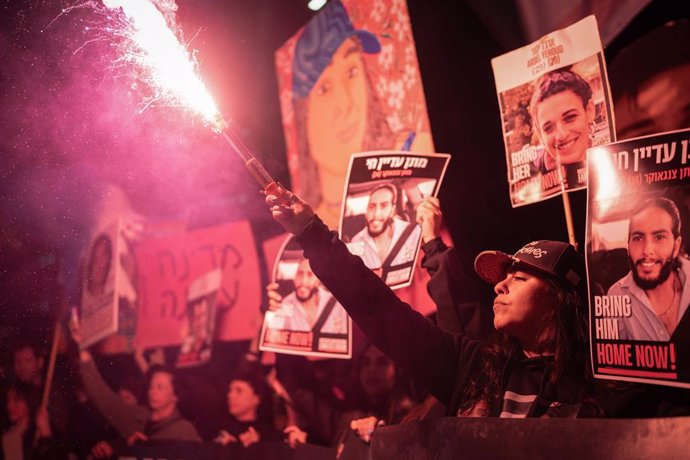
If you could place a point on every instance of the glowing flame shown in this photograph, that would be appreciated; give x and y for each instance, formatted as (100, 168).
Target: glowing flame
(170, 68)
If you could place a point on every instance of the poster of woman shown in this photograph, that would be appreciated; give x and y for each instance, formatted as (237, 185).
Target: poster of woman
(555, 103)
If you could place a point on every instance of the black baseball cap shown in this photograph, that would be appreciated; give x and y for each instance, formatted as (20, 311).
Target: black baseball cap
(552, 258)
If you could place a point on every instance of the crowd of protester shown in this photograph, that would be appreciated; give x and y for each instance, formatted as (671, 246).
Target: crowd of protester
(100, 405)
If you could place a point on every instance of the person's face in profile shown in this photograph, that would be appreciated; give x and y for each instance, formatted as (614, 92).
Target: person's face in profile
(522, 302)
(563, 124)
(652, 246)
(661, 104)
(380, 211)
(306, 283)
(337, 108)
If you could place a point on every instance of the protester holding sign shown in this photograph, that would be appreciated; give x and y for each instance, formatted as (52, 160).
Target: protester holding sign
(161, 420)
(538, 366)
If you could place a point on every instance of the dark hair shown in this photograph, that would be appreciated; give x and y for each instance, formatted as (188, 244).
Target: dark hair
(26, 393)
(563, 332)
(174, 379)
(257, 381)
(389, 407)
(662, 203)
(556, 82)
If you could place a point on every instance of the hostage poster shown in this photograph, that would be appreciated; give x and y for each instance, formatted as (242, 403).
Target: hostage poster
(106, 289)
(638, 228)
(197, 335)
(555, 102)
(306, 320)
(378, 221)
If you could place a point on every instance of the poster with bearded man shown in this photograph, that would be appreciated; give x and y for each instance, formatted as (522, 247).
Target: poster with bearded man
(378, 221)
(303, 317)
(638, 268)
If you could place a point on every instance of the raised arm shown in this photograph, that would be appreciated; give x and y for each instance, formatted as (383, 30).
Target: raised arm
(414, 342)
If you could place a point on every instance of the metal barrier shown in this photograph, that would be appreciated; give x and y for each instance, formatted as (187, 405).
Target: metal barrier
(182, 450)
(470, 438)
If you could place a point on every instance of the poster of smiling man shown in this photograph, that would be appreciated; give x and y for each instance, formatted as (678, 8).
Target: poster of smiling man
(378, 219)
(638, 228)
(304, 318)
(555, 102)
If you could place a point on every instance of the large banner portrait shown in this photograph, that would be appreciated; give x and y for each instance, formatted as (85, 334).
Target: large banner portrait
(555, 103)
(309, 321)
(378, 218)
(638, 226)
(349, 82)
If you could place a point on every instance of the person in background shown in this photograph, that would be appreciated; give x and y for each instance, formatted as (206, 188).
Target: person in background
(382, 394)
(30, 434)
(159, 420)
(650, 82)
(249, 419)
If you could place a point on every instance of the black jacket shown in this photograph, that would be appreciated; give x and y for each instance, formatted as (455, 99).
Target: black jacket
(445, 361)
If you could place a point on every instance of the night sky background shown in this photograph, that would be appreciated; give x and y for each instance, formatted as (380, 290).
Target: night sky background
(70, 123)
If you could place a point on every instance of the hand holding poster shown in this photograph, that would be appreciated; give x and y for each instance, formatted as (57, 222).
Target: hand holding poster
(307, 320)
(639, 272)
(378, 219)
(555, 103)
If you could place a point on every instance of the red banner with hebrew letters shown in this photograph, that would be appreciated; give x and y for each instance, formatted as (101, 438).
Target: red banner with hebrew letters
(168, 265)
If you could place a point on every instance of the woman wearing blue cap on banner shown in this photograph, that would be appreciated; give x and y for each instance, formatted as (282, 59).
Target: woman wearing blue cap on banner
(336, 108)
(535, 366)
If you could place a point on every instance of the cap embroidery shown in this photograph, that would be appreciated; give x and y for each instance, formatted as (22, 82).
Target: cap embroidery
(535, 252)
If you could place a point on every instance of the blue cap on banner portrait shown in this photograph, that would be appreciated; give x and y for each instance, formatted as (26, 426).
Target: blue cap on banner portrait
(552, 258)
(321, 38)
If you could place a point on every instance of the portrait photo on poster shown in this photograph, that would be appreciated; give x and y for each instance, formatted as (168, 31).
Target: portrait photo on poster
(198, 328)
(555, 103)
(308, 321)
(99, 288)
(638, 267)
(378, 222)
